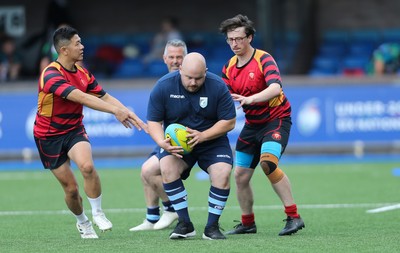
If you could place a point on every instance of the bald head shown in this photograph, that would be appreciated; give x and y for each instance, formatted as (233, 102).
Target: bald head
(193, 71)
(194, 63)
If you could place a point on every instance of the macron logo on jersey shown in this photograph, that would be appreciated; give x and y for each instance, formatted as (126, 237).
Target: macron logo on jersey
(176, 96)
(224, 156)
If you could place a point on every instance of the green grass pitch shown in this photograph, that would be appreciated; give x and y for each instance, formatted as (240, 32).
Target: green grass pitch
(333, 200)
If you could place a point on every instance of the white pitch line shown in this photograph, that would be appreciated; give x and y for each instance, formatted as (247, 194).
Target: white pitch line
(384, 209)
(269, 207)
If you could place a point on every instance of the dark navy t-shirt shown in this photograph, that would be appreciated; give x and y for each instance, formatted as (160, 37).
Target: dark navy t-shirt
(171, 103)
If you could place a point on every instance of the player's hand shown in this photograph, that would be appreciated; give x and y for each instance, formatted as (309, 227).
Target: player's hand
(173, 150)
(130, 119)
(195, 136)
(123, 117)
(242, 100)
(137, 122)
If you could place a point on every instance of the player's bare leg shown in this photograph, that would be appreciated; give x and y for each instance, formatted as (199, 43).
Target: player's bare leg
(81, 154)
(73, 200)
(245, 198)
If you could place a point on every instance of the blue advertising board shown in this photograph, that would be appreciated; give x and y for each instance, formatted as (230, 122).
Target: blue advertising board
(345, 113)
(322, 115)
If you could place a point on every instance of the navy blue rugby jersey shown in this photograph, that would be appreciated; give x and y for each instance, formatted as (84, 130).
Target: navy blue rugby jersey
(171, 103)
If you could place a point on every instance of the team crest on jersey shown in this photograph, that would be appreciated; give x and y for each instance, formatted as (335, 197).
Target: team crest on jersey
(251, 75)
(203, 102)
(276, 136)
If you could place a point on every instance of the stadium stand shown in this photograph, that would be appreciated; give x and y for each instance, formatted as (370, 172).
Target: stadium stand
(349, 52)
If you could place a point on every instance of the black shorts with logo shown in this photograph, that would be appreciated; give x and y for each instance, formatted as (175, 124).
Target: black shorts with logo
(53, 150)
(252, 137)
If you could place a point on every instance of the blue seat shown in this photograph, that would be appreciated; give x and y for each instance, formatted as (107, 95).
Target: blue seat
(352, 62)
(129, 68)
(332, 49)
(315, 72)
(391, 35)
(283, 65)
(119, 40)
(326, 64)
(354, 66)
(222, 52)
(215, 65)
(365, 36)
(335, 36)
(156, 68)
(201, 50)
(361, 48)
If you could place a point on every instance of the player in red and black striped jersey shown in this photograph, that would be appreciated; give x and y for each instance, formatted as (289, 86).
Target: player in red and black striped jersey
(64, 88)
(56, 114)
(254, 81)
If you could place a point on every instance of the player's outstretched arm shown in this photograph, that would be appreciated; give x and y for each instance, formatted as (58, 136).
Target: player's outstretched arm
(122, 114)
(133, 119)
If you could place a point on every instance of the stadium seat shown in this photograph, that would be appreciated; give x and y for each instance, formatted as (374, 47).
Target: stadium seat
(130, 68)
(320, 73)
(215, 65)
(332, 49)
(355, 61)
(335, 36)
(119, 40)
(354, 65)
(361, 48)
(221, 52)
(328, 65)
(156, 68)
(391, 35)
(372, 36)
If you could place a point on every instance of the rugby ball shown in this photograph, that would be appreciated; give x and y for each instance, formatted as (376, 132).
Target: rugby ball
(177, 133)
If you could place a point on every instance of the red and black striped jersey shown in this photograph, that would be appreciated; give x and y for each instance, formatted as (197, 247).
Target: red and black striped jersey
(252, 78)
(57, 115)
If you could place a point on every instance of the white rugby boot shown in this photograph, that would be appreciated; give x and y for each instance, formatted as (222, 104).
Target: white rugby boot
(146, 225)
(102, 222)
(86, 230)
(166, 219)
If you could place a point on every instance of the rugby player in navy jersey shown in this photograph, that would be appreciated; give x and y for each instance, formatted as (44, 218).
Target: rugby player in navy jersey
(64, 88)
(200, 101)
(253, 78)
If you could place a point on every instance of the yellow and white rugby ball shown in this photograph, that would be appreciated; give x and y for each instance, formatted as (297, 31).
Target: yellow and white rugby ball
(177, 133)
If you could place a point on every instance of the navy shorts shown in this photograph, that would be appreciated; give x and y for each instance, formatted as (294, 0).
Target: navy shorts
(271, 137)
(206, 154)
(53, 150)
(156, 152)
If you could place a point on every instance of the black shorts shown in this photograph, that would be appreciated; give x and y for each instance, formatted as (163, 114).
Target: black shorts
(53, 150)
(274, 135)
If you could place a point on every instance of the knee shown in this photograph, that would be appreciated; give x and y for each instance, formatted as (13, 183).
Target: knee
(150, 170)
(268, 167)
(241, 177)
(145, 174)
(87, 169)
(269, 164)
(221, 178)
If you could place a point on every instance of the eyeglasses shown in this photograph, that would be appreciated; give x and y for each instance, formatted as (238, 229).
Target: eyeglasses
(237, 40)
